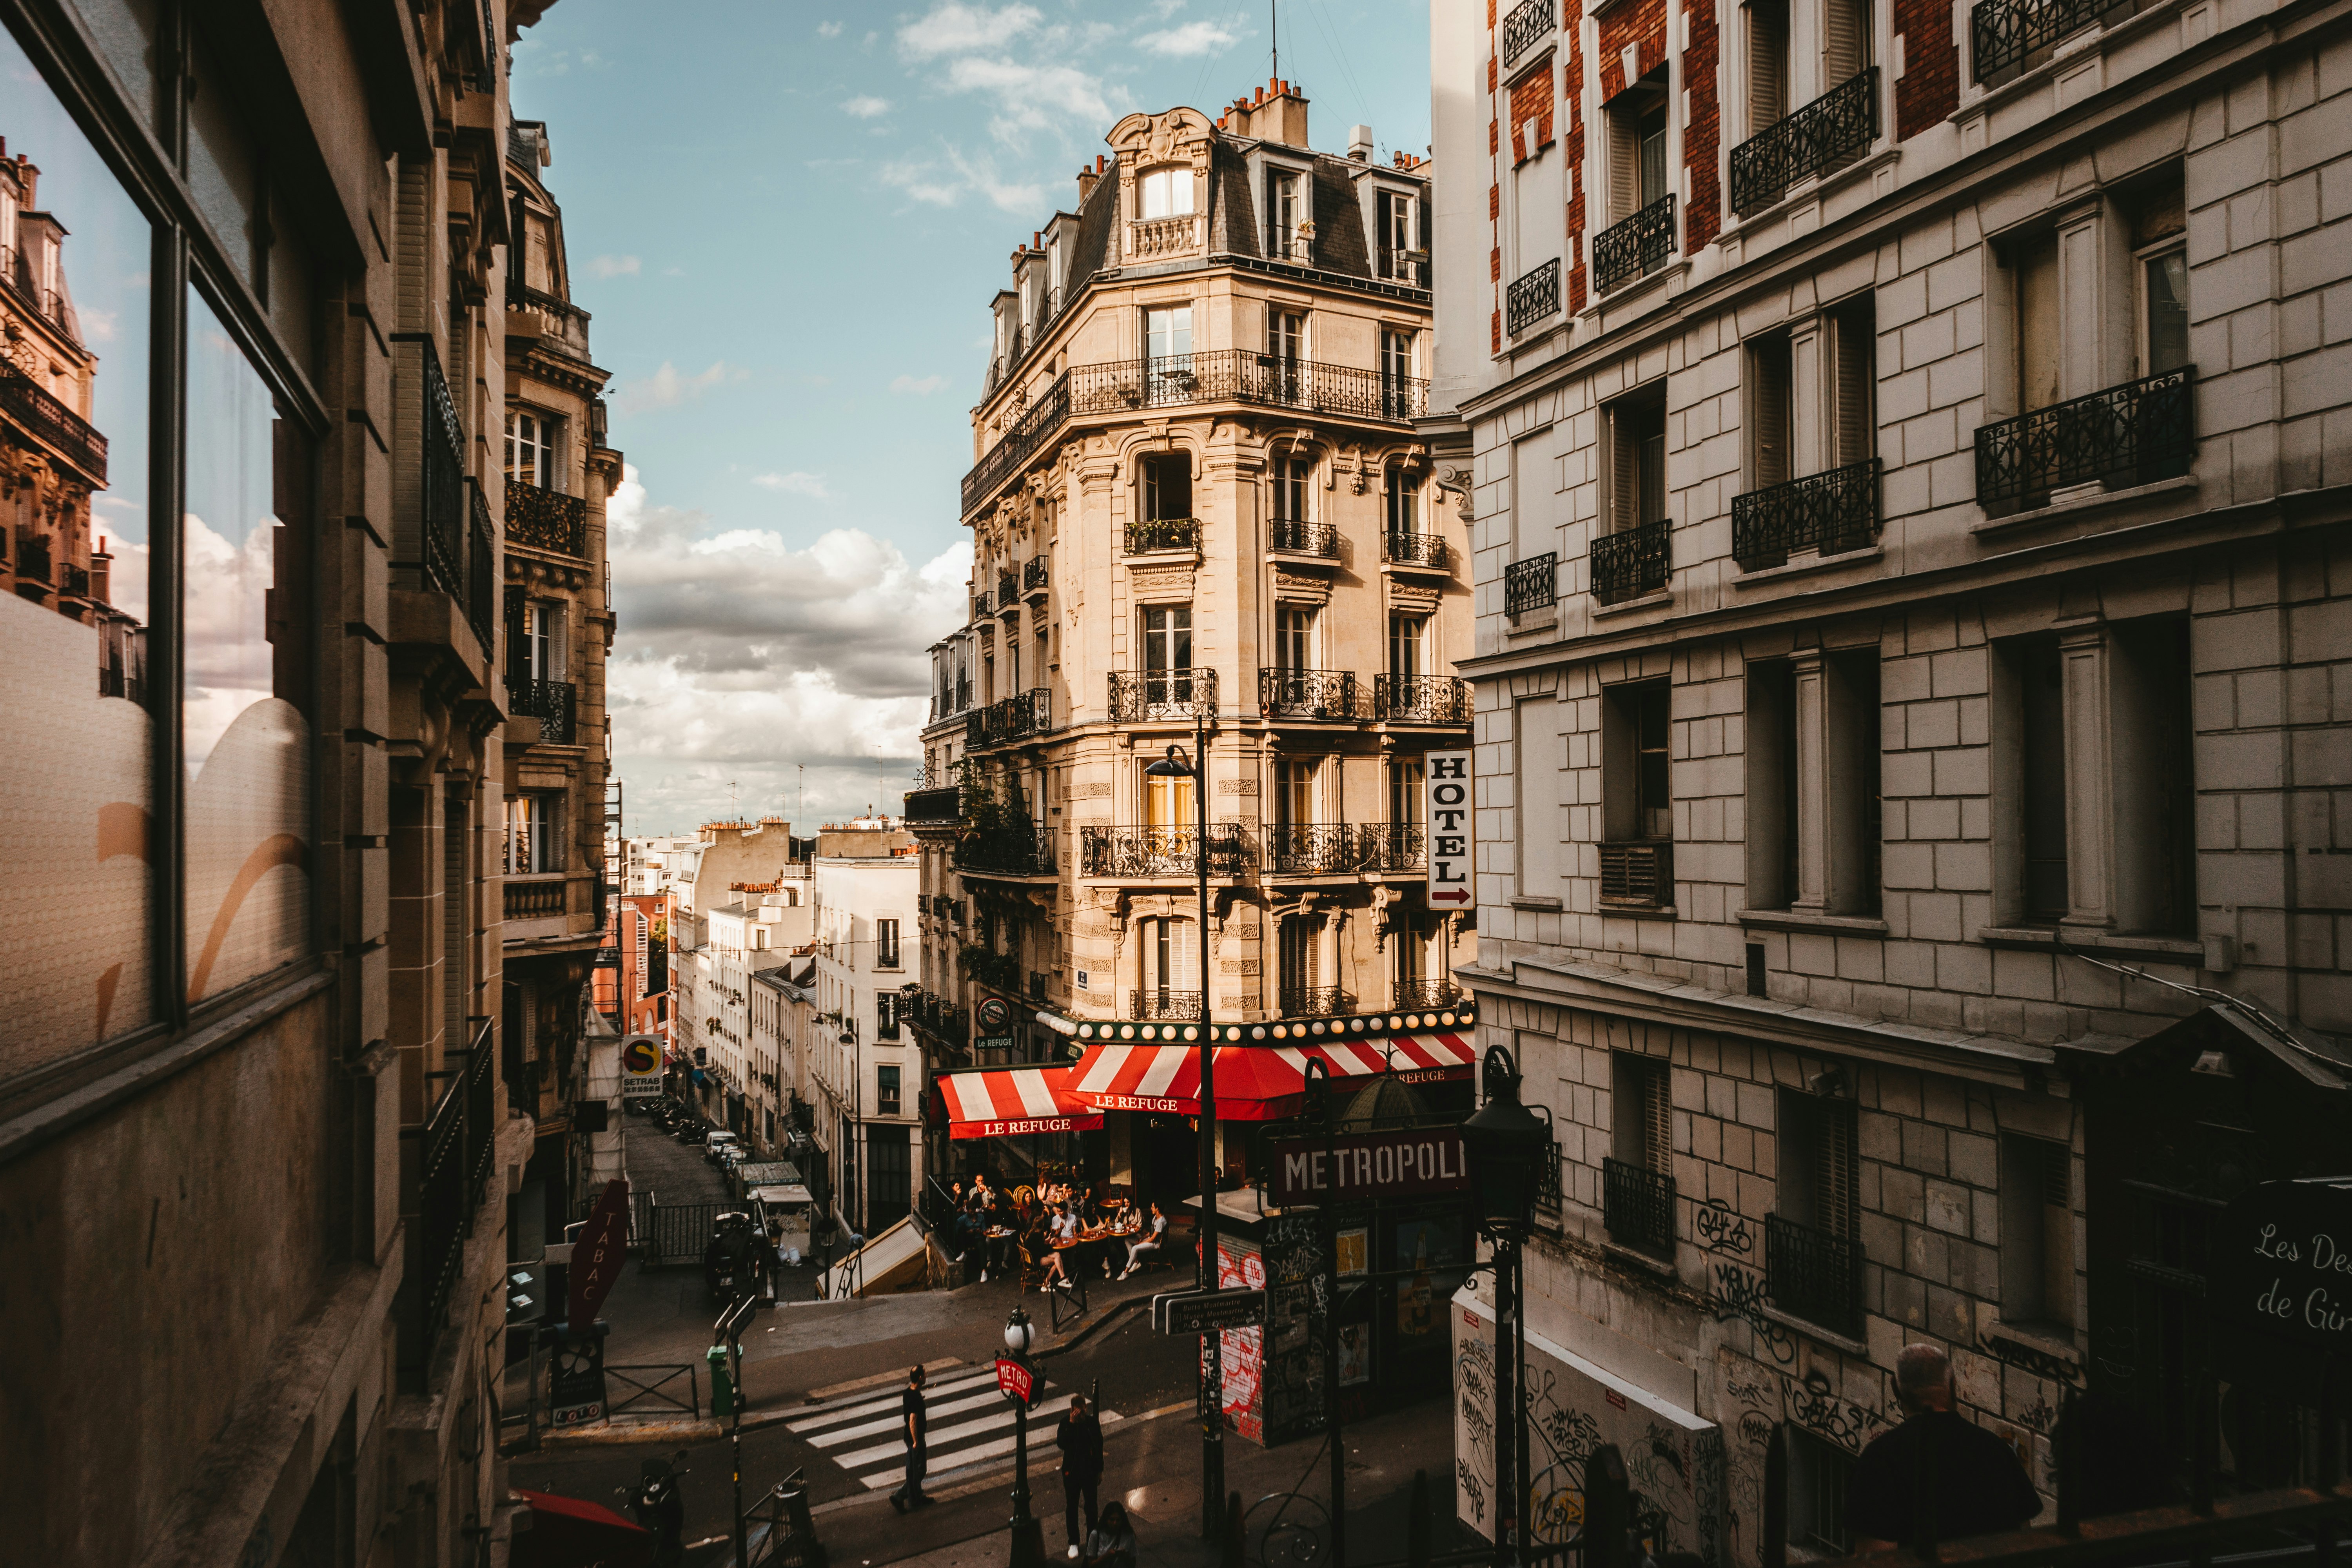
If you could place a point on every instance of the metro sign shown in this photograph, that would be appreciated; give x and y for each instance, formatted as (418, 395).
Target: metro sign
(1448, 810)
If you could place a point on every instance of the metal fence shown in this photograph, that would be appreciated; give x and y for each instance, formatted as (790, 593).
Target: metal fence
(650, 1390)
(2137, 433)
(672, 1233)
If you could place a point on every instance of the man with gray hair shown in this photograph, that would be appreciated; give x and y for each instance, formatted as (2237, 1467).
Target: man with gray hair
(1938, 1473)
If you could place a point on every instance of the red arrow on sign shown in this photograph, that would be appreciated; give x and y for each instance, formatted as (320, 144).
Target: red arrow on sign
(1451, 896)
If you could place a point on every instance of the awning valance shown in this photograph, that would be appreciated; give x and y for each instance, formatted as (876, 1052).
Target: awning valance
(1254, 1083)
(1006, 1101)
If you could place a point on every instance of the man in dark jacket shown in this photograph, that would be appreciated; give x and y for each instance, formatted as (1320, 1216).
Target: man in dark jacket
(1969, 1479)
(915, 1422)
(1079, 1437)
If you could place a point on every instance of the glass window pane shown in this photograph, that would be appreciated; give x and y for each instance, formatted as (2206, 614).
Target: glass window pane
(2167, 311)
(247, 702)
(74, 257)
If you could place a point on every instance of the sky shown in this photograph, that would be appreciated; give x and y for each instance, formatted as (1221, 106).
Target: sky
(787, 219)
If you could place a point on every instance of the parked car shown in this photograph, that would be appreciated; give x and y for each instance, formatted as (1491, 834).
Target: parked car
(718, 1142)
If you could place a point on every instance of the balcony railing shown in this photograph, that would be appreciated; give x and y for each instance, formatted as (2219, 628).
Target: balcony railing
(1831, 130)
(1142, 852)
(1317, 848)
(1530, 585)
(552, 702)
(1328, 695)
(534, 900)
(1156, 696)
(1302, 537)
(442, 514)
(1640, 873)
(1420, 698)
(1400, 845)
(77, 582)
(1549, 1193)
(2135, 434)
(1637, 1206)
(1315, 1001)
(1831, 513)
(942, 803)
(2007, 36)
(1031, 431)
(1632, 561)
(1636, 247)
(32, 559)
(1033, 574)
(1532, 296)
(1814, 1275)
(1403, 265)
(1016, 851)
(1529, 23)
(482, 571)
(975, 730)
(980, 606)
(1148, 534)
(445, 1166)
(1159, 1002)
(51, 422)
(542, 518)
(1152, 237)
(1008, 590)
(1401, 549)
(1424, 992)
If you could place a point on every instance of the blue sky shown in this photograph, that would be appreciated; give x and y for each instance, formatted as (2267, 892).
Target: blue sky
(787, 220)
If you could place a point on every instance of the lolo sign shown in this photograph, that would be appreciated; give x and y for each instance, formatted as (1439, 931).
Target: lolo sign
(1449, 814)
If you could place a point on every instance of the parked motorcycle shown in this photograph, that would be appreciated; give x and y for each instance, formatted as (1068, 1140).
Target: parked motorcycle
(658, 1509)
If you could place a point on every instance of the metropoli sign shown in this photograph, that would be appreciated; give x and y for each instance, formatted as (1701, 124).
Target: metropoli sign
(1448, 811)
(1405, 1163)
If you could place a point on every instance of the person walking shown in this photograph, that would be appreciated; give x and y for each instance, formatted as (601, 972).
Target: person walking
(1079, 1437)
(916, 1424)
(1937, 1470)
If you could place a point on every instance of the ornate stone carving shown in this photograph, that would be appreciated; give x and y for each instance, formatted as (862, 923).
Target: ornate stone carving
(1235, 786)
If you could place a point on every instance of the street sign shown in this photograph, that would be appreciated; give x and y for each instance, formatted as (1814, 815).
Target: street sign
(641, 1068)
(992, 1014)
(598, 1254)
(2283, 1263)
(1206, 1312)
(1448, 811)
(1400, 1164)
(995, 1042)
(1015, 1381)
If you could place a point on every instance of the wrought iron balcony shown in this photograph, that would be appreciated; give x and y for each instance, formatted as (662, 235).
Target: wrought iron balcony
(1632, 561)
(1814, 1275)
(1424, 992)
(1317, 848)
(1159, 1002)
(1315, 1001)
(1146, 536)
(980, 606)
(534, 900)
(1033, 575)
(1008, 591)
(32, 559)
(1834, 127)
(546, 519)
(1023, 850)
(1637, 1206)
(1010, 719)
(77, 582)
(1530, 23)
(1549, 1190)
(482, 571)
(1137, 853)
(552, 702)
(1533, 297)
(1639, 874)
(1636, 247)
(1400, 845)
(975, 730)
(942, 803)
(52, 424)
(1302, 537)
(443, 511)
(1403, 265)
(1327, 695)
(1031, 431)
(1831, 513)
(1420, 698)
(1530, 585)
(1401, 549)
(2008, 36)
(2135, 434)
(1162, 695)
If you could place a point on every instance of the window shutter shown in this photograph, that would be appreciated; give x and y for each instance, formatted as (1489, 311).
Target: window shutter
(1624, 167)
(1624, 461)
(1658, 1119)
(2038, 327)
(1767, 64)
(1834, 1168)
(1771, 412)
(1856, 351)
(1842, 22)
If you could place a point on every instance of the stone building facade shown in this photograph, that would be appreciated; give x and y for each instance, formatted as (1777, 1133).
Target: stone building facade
(1910, 495)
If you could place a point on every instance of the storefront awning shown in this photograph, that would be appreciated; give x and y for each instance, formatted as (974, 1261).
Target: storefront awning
(1431, 1059)
(1254, 1083)
(1007, 1101)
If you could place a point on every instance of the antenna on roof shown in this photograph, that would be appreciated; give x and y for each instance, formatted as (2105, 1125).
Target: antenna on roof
(1274, 33)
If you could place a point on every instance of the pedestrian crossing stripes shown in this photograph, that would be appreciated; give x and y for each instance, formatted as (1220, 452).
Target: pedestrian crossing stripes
(970, 1424)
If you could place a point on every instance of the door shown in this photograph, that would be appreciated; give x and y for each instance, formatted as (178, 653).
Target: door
(1167, 654)
(1168, 354)
(1285, 345)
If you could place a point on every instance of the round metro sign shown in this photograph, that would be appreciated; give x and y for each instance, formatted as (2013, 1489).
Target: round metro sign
(641, 1056)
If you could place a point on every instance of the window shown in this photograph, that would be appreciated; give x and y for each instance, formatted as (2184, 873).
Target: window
(1635, 777)
(1408, 789)
(1854, 381)
(1168, 802)
(1167, 193)
(1294, 637)
(2037, 1232)
(1538, 794)
(1167, 486)
(885, 944)
(1282, 215)
(1300, 961)
(1397, 374)
(543, 644)
(1167, 637)
(888, 1160)
(1637, 451)
(1294, 800)
(1817, 1166)
(2034, 277)
(1286, 335)
(1168, 355)
(1644, 1126)
(1845, 40)
(534, 843)
(2159, 228)
(1818, 1472)
(1768, 63)
(2037, 793)
(1771, 785)
(1770, 410)
(1637, 152)
(1404, 504)
(1397, 220)
(1172, 964)
(530, 448)
(1813, 783)
(885, 1020)
(1292, 476)
(1407, 658)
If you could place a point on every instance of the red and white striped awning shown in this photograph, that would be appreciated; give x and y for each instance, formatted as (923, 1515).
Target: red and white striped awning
(1254, 1082)
(1006, 1101)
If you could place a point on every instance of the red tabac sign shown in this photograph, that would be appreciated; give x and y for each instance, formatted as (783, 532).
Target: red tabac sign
(1405, 1163)
(1013, 1380)
(598, 1255)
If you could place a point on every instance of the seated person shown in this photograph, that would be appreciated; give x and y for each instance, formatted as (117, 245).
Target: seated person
(1112, 1544)
(1039, 1244)
(1065, 1224)
(1139, 1251)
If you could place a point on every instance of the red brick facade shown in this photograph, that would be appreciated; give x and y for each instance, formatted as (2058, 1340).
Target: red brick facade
(1645, 20)
(1531, 99)
(1703, 215)
(1574, 148)
(1928, 90)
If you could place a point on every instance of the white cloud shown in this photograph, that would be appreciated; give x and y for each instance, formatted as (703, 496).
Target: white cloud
(828, 29)
(1029, 97)
(918, 181)
(615, 266)
(1191, 39)
(866, 107)
(668, 387)
(952, 28)
(920, 388)
(797, 483)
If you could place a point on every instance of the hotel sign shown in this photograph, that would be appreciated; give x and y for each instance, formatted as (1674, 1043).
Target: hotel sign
(1399, 1164)
(1449, 812)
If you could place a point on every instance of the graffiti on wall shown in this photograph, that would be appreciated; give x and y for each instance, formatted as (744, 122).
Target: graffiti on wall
(1740, 1293)
(1754, 1399)
(1720, 1229)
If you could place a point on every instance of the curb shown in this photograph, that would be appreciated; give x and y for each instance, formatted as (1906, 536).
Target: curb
(1089, 1330)
(685, 1433)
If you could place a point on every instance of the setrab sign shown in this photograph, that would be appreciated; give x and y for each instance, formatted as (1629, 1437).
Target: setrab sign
(641, 1068)
(1449, 812)
(1406, 1163)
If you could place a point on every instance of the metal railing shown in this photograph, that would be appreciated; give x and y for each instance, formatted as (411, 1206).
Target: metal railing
(443, 511)
(51, 422)
(1550, 1195)
(1008, 591)
(77, 582)
(1147, 534)
(1635, 247)
(534, 900)
(1405, 265)
(32, 559)
(1642, 872)
(1303, 538)
(1161, 695)
(1632, 561)
(975, 730)
(653, 1387)
(1424, 992)
(941, 803)
(1420, 698)
(1530, 585)
(482, 571)
(1012, 852)
(552, 702)
(444, 1170)
(1413, 549)
(1314, 694)
(980, 606)
(1402, 845)
(1532, 296)
(1151, 851)
(1315, 1001)
(2008, 35)
(1159, 1002)
(1637, 1206)
(1831, 130)
(1829, 512)
(1033, 574)
(1314, 848)
(2137, 433)
(1814, 1275)
(1529, 23)
(1028, 433)
(543, 519)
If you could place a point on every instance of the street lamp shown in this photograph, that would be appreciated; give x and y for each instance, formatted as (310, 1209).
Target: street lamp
(1175, 764)
(1028, 1536)
(1505, 1143)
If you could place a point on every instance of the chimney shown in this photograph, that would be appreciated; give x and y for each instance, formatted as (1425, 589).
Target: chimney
(1087, 178)
(1359, 143)
(1281, 115)
(101, 574)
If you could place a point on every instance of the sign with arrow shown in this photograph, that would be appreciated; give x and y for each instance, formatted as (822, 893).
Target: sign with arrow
(1447, 809)
(1181, 1312)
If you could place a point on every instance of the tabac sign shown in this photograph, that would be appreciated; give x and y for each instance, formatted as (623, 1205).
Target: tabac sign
(1395, 1164)
(1448, 812)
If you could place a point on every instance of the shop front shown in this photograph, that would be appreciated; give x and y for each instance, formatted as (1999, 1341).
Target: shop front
(1012, 1122)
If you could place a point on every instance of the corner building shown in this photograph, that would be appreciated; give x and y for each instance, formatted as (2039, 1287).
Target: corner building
(1908, 446)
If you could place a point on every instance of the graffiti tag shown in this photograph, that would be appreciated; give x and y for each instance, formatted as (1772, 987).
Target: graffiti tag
(1741, 1294)
(1719, 1228)
(2027, 1358)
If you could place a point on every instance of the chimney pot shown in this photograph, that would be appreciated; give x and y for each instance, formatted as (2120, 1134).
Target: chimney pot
(1359, 143)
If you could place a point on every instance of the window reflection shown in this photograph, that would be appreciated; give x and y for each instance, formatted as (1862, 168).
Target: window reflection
(75, 837)
(245, 706)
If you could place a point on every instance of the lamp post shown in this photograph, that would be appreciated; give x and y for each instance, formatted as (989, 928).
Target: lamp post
(1028, 1536)
(1505, 1142)
(1176, 765)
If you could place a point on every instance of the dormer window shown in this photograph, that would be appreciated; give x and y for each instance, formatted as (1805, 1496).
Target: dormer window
(1284, 209)
(1167, 192)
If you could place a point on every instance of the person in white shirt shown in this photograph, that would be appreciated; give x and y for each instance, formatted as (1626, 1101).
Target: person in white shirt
(1152, 1236)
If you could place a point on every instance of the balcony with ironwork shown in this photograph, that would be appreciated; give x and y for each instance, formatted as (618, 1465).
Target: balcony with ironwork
(482, 569)
(1398, 846)
(1149, 853)
(975, 730)
(1529, 24)
(1814, 1275)
(1316, 849)
(1402, 264)
(1636, 247)
(1028, 433)
(1637, 1208)
(1530, 585)
(1828, 514)
(32, 559)
(1157, 1001)
(555, 703)
(1632, 561)
(1550, 1193)
(1832, 130)
(444, 1168)
(1421, 993)
(1019, 850)
(2136, 433)
(1316, 1002)
(541, 519)
(941, 804)
(1161, 697)
(1295, 536)
(1153, 536)
(1035, 576)
(1415, 551)
(1532, 298)
(1420, 698)
(980, 606)
(2009, 38)
(1008, 592)
(1638, 874)
(442, 512)
(29, 405)
(1311, 696)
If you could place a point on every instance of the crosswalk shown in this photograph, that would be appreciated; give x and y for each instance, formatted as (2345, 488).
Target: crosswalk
(970, 1424)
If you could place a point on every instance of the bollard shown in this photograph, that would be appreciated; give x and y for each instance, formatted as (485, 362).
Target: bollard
(1417, 1523)
(1232, 1555)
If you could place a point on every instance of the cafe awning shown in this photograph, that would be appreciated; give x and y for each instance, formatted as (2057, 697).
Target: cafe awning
(1431, 1059)
(1005, 1101)
(1256, 1083)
